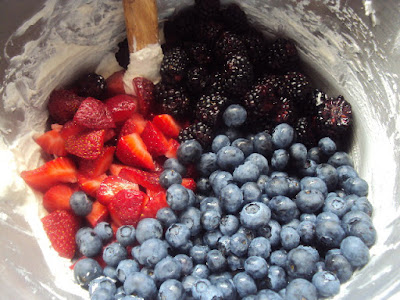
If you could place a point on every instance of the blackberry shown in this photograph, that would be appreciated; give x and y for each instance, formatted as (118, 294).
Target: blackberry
(256, 47)
(296, 86)
(173, 66)
(234, 18)
(306, 131)
(208, 8)
(199, 54)
(197, 79)
(284, 111)
(210, 107)
(209, 31)
(198, 131)
(217, 83)
(122, 55)
(172, 100)
(238, 75)
(183, 25)
(282, 55)
(91, 85)
(314, 99)
(335, 118)
(229, 44)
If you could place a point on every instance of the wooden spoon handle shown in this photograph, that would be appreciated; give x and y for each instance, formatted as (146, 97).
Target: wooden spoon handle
(141, 19)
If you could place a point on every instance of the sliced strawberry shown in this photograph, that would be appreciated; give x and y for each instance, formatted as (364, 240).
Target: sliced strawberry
(94, 114)
(115, 84)
(132, 151)
(121, 107)
(127, 206)
(59, 170)
(90, 185)
(144, 90)
(154, 140)
(52, 143)
(109, 135)
(145, 179)
(63, 105)
(135, 124)
(116, 168)
(57, 197)
(98, 166)
(111, 186)
(167, 125)
(98, 214)
(189, 183)
(154, 203)
(84, 143)
(61, 227)
(172, 148)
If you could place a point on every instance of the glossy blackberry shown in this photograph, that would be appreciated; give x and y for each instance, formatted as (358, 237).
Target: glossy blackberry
(284, 111)
(310, 104)
(234, 18)
(238, 75)
(229, 44)
(282, 55)
(173, 66)
(209, 31)
(208, 8)
(210, 107)
(199, 54)
(306, 131)
(122, 55)
(91, 85)
(198, 131)
(335, 118)
(217, 83)
(296, 86)
(197, 79)
(172, 100)
(256, 46)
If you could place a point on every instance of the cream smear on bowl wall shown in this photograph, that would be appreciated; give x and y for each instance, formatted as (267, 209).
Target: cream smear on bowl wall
(349, 47)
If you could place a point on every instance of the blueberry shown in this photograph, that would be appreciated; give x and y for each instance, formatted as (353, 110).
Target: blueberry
(306, 231)
(174, 164)
(169, 177)
(126, 235)
(214, 278)
(189, 152)
(308, 217)
(271, 232)
(245, 145)
(308, 168)
(135, 252)
(246, 172)
(363, 204)
(231, 198)
(224, 245)
(90, 244)
(339, 265)
(264, 199)
(102, 282)
(80, 204)
(216, 261)
(166, 216)
(199, 253)
(210, 219)
(200, 286)
(280, 159)
(235, 263)
(315, 154)
(344, 173)
(177, 235)
(260, 246)
(227, 288)
(298, 152)
(292, 224)
(148, 228)
(277, 278)
(239, 244)
(328, 174)
(81, 232)
(329, 233)
(210, 238)
(254, 215)
(327, 146)
(210, 203)
(203, 186)
(207, 164)
(191, 219)
(351, 200)
(177, 197)
(260, 161)
(277, 186)
(201, 271)
(167, 268)
(219, 142)
(251, 192)
(294, 186)
(140, 285)
(188, 282)
(152, 251)
(234, 115)
(336, 205)
(268, 295)
(256, 267)
(283, 209)
(229, 224)
(229, 157)
(233, 133)
(289, 238)
(352, 217)
(186, 263)
(309, 201)
(245, 285)
(301, 263)
(250, 234)
(279, 258)
(86, 270)
(300, 288)
(282, 136)
(327, 284)
(263, 144)
(220, 180)
(365, 231)
(340, 159)
(110, 272)
(327, 216)
(356, 186)
(171, 289)
(104, 231)
(314, 183)
(125, 268)
(114, 253)
(149, 272)
(102, 294)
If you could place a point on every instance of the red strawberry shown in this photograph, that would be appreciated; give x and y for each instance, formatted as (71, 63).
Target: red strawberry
(121, 107)
(94, 114)
(98, 166)
(189, 183)
(61, 227)
(116, 168)
(56, 171)
(127, 206)
(98, 214)
(132, 151)
(154, 140)
(115, 84)
(84, 143)
(52, 143)
(90, 185)
(57, 198)
(167, 125)
(111, 186)
(109, 134)
(154, 203)
(135, 124)
(63, 105)
(172, 148)
(144, 91)
(145, 179)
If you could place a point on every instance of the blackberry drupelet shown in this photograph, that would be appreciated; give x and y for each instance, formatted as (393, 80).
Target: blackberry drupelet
(91, 85)
(282, 55)
(199, 54)
(197, 79)
(122, 55)
(238, 75)
(234, 18)
(174, 65)
(208, 8)
(229, 44)
(198, 131)
(172, 100)
(296, 86)
(210, 107)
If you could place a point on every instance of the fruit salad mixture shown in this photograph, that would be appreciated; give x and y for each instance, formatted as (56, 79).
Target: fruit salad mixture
(226, 180)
